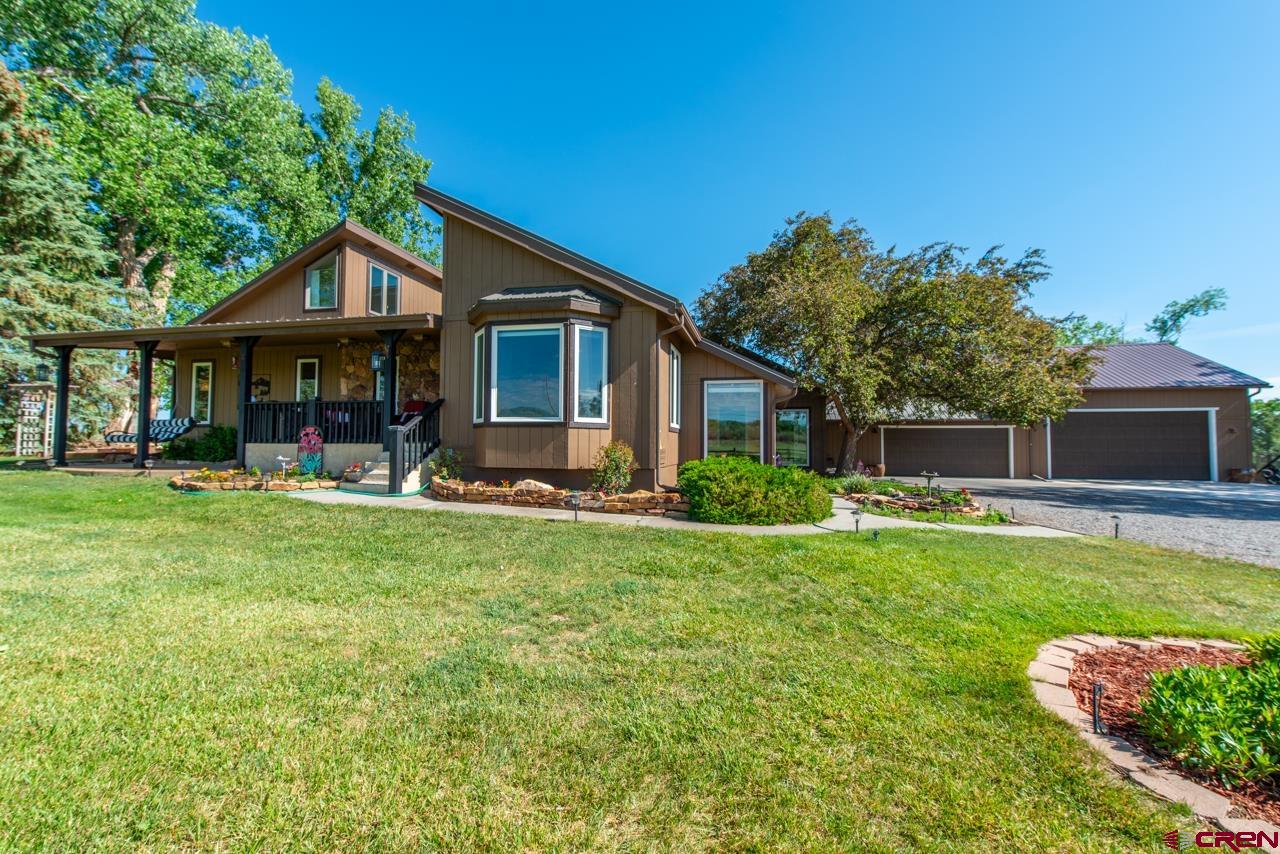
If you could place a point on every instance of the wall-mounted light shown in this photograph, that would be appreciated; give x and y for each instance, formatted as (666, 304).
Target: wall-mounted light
(376, 360)
(42, 373)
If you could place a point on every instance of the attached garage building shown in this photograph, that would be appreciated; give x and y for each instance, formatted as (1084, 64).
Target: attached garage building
(1151, 412)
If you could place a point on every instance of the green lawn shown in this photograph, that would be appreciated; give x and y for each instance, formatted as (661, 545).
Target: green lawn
(252, 671)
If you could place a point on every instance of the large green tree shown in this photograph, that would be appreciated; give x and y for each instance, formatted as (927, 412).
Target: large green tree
(1266, 431)
(1167, 325)
(52, 266)
(891, 336)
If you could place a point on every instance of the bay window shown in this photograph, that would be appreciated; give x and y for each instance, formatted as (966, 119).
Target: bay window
(733, 416)
(591, 374)
(526, 373)
(477, 377)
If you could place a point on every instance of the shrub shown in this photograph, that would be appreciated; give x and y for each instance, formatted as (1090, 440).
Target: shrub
(614, 465)
(447, 464)
(738, 491)
(1222, 721)
(859, 483)
(1265, 648)
(216, 445)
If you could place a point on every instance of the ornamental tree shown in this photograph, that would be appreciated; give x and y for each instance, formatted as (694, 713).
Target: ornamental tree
(887, 336)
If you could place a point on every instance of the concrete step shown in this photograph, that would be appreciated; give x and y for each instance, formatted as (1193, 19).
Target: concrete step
(362, 486)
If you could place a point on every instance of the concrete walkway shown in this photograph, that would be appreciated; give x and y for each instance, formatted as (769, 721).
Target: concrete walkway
(842, 519)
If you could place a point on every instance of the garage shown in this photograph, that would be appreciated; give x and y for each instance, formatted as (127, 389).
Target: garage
(1133, 444)
(956, 451)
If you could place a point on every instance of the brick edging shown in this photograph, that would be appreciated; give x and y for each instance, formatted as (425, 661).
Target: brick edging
(1050, 674)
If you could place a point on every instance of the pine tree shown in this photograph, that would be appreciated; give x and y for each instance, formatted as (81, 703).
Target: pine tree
(52, 267)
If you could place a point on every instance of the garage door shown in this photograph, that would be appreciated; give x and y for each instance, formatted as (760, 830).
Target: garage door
(951, 452)
(1137, 445)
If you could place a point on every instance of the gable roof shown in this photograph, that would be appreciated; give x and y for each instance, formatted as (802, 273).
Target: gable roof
(444, 204)
(1162, 365)
(345, 230)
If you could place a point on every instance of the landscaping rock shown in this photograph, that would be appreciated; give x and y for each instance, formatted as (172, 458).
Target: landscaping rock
(536, 485)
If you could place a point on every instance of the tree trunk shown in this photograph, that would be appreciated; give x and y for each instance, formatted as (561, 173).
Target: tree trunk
(147, 307)
(848, 456)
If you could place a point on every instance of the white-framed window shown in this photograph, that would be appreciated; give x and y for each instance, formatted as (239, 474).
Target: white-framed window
(674, 385)
(733, 418)
(591, 374)
(477, 376)
(306, 385)
(791, 436)
(384, 291)
(321, 290)
(202, 392)
(526, 373)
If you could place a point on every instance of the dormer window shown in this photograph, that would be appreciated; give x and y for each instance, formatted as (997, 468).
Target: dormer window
(384, 291)
(322, 284)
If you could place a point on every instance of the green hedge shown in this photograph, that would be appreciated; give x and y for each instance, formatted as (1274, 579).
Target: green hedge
(1223, 721)
(217, 445)
(738, 491)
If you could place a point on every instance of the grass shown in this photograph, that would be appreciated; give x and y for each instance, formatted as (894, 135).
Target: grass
(253, 671)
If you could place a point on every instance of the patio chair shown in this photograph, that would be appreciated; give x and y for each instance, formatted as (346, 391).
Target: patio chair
(163, 430)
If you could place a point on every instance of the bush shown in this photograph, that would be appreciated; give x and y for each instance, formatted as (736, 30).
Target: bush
(613, 467)
(447, 464)
(851, 483)
(1265, 648)
(216, 445)
(738, 491)
(1222, 721)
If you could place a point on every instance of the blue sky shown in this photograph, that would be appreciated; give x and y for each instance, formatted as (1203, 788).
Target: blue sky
(1135, 142)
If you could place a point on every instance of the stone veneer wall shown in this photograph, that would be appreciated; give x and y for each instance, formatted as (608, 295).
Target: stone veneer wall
(419, 369)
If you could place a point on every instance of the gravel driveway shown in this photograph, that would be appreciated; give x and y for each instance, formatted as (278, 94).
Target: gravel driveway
(1237, 520)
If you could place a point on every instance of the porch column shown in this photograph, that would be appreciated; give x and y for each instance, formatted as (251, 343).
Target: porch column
(146, 355)
(390, 379)
(244, 395)
(62, 402)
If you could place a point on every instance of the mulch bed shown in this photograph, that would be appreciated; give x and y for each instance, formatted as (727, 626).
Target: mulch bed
(1124, 673)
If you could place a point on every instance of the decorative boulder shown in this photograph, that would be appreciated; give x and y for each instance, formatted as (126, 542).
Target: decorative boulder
(535, 485)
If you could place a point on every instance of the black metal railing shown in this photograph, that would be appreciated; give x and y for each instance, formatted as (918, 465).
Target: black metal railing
(341, 422)
(410, 443)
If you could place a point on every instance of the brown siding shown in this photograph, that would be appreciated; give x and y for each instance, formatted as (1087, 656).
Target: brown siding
(479, 264)
(700, 365)
(281, 296)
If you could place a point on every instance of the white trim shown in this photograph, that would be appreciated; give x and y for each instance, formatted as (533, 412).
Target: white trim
(578, 329)
(1048, 449)
(306, 282)
(1211, 413)
(1011, 452)
(478, 342)
(297, 375)
(1147, 409)
(208, 419)
(706, 387)
(493, 373)
(386, 276)
(675, 381)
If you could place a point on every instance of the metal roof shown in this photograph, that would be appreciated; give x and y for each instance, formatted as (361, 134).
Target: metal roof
(1161, 365)
(541, 292)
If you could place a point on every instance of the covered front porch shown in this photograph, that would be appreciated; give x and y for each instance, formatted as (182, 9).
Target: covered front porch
(369, 384)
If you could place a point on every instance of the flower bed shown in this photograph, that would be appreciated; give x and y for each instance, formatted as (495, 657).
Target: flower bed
(209, 480)
(1127, 675)
(891, 498)
(532, 493)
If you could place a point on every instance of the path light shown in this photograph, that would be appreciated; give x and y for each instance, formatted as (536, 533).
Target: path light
(575, 498)
(1117, 518)
(149, 465)
(857, 519)
(1099, 727)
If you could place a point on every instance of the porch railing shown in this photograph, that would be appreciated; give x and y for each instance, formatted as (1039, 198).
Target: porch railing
(341, 422)
(410, 443)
